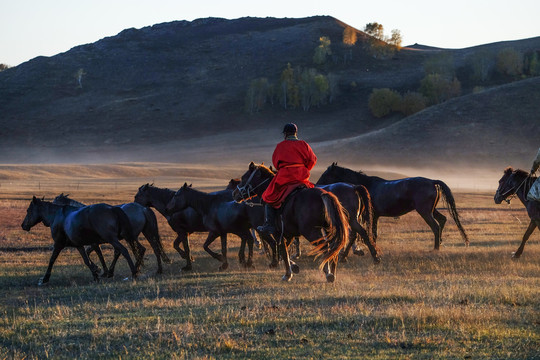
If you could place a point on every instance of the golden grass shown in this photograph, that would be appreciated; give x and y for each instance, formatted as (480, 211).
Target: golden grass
(458, 303)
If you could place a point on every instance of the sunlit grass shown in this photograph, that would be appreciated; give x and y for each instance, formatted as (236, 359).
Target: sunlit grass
(458, 303)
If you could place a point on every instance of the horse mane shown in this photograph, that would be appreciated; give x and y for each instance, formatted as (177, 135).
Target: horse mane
(266, 169)
(519, 172)
(344, 169)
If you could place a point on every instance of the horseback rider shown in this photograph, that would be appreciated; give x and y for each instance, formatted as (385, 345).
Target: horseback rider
(293, 159)
(534, 192)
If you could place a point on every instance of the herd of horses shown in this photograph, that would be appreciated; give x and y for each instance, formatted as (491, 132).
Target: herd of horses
(343, 206)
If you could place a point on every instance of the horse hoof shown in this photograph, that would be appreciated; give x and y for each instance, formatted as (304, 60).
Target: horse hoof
(330, 278)
(41, 282)
(223, 267)
(286, 277)
(187, 268)
(515, 256)
(359, 252)
(377, 260)
(295, 268)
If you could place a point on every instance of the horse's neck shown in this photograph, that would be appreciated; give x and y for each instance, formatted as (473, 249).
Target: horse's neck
(356, 177)
(200, 201)
(48, 213)
(160, 199)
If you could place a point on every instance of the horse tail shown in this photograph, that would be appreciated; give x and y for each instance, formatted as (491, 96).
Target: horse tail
(451, 206)
(337, 230)
(125, 230)
(152, 226)
(367, 214)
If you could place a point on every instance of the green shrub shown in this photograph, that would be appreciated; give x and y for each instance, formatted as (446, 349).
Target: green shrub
(383, 101)
(413, 102)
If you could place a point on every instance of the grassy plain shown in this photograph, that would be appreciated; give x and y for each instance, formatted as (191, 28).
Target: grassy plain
(458, 303)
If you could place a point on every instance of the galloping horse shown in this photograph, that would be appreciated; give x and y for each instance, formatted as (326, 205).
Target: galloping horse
(77, 227)
(142, 219)
(313, 213)
(398, 197)
(518, 182)
(220, 216)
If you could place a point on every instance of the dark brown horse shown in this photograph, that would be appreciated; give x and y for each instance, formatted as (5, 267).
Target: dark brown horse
(142, 219)
(78, 227)
(220, 216)
(313, 213)
(518, 183)
(397, 197)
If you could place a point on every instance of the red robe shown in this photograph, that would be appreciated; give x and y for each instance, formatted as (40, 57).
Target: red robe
(293, 159)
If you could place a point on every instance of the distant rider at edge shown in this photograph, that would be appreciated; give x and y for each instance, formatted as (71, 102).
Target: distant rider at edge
(534, 192)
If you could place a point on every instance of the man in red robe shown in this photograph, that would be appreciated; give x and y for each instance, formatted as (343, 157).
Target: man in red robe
(293, 159)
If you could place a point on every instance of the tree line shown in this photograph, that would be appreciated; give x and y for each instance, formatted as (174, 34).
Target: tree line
(441, 81)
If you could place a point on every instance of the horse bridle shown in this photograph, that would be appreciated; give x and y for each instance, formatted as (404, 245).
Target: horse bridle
(515, 190)
(247, 192)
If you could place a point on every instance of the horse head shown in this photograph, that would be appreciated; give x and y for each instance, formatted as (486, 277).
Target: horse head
(178, 201)
(253, 183)
(33, 214)
(509, 184)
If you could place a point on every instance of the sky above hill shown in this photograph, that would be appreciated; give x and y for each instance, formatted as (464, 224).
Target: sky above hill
(30, 28)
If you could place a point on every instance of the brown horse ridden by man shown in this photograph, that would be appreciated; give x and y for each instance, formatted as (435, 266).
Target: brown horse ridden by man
(142, 219)
(518, 183)
(79, 227)
(397, 197)
(313, 213)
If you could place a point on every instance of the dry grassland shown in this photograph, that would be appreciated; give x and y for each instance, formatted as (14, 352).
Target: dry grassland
(458, 303)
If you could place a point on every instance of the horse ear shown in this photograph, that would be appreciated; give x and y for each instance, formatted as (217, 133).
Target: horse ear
(43, 198)
(251, 165)
(34, 199)
(185, 185)
(190, 185)
(509, 170)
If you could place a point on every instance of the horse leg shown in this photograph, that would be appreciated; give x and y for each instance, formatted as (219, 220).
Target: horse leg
(528, 232)
(256, 241)
(97, 249)
(330, 271)
(297, 252)
(110, 272)
(225, 264)
(153, 241)
(56, 251)
(441, 219)
(427, 215)
(209, 240)
(246, 238)
(345, 252)
(122, 250)
(282, 246)
(269, 242)
(93, 268)
(372, 246)
(184, 238)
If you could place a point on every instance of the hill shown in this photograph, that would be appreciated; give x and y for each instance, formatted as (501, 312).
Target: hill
(174, 92)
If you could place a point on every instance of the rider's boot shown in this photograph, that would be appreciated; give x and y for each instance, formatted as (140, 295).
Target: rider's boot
(269, 226)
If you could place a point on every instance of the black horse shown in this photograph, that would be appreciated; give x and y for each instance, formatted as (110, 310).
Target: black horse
(78, 227)
(184, 222)
(313, 213)
(397, 197)
(142, 219)
(220, 216)
(518, 182)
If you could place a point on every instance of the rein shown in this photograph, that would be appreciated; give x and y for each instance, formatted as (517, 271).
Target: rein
(247, 191)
